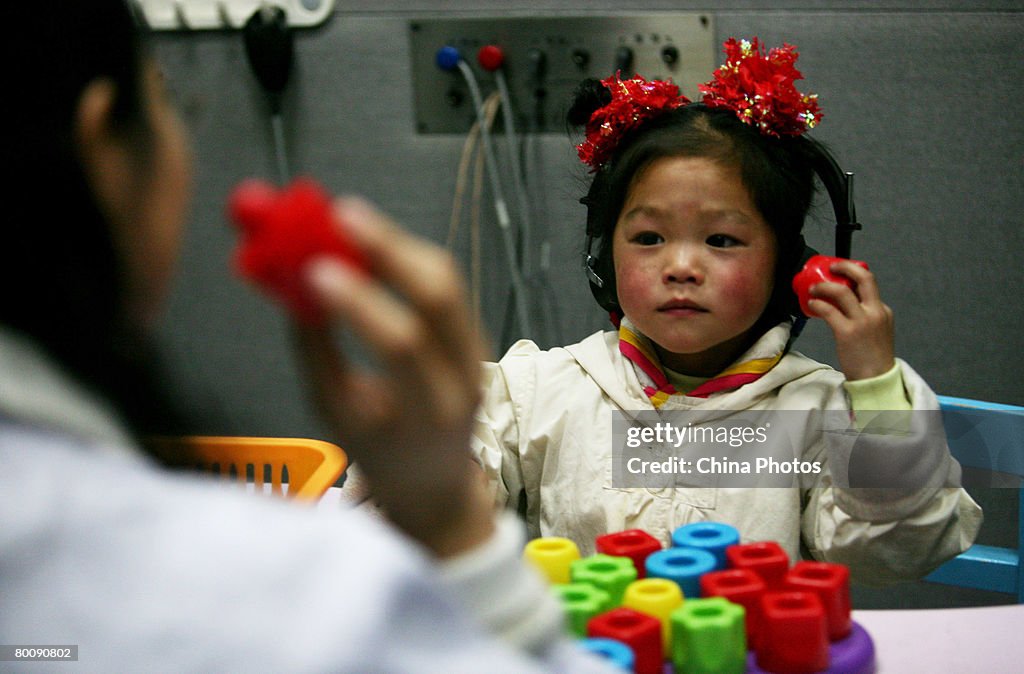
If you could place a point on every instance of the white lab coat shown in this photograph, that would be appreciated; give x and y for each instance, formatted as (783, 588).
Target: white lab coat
(146, 570)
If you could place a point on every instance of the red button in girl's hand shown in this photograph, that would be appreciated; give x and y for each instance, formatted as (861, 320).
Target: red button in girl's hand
(281, 231)
(815, 271)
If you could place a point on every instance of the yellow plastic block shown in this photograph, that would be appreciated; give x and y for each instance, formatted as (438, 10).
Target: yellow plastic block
(656, 597)
(552, 556)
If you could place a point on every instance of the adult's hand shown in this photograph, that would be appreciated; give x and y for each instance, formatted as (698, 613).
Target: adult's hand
(407, 421)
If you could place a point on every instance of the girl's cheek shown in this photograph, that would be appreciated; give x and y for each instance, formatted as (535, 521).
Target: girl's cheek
(633, 282)
(749, 291)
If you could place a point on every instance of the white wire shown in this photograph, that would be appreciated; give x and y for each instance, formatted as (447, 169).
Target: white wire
(501, 209)
(517, 172)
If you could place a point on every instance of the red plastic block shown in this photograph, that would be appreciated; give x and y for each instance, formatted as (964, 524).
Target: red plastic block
(637, 630)
(636, 544)
(831, 582)
(766, 558)
(793, 633)
(740, 586)
(282, 230)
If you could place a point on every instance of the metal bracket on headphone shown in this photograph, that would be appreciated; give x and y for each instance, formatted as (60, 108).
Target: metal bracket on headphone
(589, 262)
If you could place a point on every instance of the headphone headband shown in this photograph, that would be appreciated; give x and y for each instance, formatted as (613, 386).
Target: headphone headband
(839, 185)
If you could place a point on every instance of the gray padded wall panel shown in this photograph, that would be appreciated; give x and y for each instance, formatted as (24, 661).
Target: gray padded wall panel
(922, 105)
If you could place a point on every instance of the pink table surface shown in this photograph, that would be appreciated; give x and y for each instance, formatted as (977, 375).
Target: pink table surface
(949, 641)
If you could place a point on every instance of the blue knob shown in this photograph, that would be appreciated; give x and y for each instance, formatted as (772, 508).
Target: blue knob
(448, 58)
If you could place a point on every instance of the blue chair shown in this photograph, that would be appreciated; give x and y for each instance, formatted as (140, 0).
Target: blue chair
(987, 436)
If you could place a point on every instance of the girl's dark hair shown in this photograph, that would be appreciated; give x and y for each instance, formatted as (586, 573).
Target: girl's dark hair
(61, 279)
(778, 173)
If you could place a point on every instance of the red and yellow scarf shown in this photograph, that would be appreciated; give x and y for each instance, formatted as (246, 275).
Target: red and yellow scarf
(639, 350)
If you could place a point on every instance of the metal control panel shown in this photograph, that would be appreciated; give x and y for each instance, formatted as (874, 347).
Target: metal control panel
(546, 58)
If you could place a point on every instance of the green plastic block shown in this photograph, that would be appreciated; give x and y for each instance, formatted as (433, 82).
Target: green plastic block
(582, 601)
(709, 637)
(611, 574)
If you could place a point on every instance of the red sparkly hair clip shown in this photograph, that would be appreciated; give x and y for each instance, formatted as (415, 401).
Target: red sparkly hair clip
(634, 101)
(759, 88)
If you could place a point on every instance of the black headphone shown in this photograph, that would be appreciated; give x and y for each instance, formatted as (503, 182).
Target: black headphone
(838, 183)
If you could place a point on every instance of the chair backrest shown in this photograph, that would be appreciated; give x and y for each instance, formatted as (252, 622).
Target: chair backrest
(307, 467)
(987, 436)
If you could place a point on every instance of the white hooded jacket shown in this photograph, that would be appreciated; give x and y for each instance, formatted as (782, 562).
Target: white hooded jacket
(544, 439)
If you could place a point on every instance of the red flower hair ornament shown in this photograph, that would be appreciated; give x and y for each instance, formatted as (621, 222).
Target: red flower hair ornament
(634, 101)
(757, 86)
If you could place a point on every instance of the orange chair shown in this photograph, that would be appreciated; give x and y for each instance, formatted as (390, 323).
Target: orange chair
(308, 467)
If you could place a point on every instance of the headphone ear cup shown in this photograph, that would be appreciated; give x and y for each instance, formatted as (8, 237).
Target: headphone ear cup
(793, 303)
(605, 294)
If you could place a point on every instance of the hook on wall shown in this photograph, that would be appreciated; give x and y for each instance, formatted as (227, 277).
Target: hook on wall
(228, 14)
(181, 15)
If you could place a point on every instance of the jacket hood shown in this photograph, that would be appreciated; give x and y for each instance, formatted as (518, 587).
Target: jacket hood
(600, 357)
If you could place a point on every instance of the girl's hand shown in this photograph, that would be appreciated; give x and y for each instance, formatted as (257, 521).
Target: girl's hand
(407, 422)
(861, 322)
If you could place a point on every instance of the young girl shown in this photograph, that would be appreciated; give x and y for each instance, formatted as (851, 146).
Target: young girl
(698, 210)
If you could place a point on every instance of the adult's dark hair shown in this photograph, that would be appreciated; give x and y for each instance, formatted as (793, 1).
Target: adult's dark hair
(778, 173)
(61, 279)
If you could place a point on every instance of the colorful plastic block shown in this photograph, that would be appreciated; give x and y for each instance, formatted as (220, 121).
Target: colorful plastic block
(639, 631)
(740, 586)
(636, 544)
(711, 536)
(552, 556)
(765, 558)
(684, 566)
(831, 582)
(708, 636)
(656, 597)
(614, 651)
(754, 603)
(793, 633)
(581, 602)
(611, 574)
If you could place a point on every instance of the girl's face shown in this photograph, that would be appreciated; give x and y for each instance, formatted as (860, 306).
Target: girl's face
(694, 262)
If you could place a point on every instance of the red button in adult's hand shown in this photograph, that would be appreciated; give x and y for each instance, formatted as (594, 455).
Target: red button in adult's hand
(281, 231)
(816, 271)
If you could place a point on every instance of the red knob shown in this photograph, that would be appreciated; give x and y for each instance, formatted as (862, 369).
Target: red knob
(490, 57)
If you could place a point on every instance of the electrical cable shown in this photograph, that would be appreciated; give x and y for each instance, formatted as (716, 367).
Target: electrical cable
(471, 150)
(492, 59)
(449, 59)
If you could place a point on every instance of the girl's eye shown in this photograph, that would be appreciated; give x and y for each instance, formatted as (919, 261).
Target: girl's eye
(722, 241)
(647, 239)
